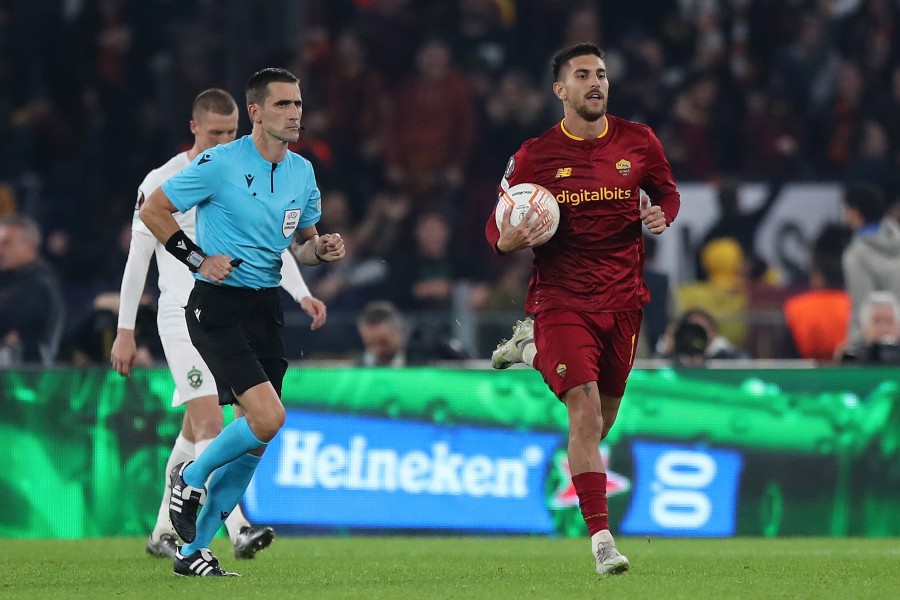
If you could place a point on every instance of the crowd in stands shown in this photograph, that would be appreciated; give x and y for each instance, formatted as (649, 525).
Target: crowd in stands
(413, 107)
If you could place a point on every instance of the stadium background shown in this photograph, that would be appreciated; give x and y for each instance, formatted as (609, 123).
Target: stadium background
(798, 96)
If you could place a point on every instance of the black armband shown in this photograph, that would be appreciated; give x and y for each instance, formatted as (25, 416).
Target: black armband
(181, 247)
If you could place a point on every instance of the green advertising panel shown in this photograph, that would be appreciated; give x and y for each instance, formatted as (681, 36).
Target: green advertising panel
(801, 451)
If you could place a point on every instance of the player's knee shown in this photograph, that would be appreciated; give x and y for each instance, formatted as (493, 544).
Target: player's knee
(206, 424)
(586, 425)
(208, 428)
(270, 423)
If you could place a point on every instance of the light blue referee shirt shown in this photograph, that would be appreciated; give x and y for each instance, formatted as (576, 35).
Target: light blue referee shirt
(247, 207)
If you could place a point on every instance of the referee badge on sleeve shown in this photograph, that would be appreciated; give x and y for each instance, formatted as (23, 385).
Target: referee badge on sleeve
(291, 218)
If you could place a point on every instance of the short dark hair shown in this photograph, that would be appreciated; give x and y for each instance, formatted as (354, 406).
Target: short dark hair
(213, 100)
(379, 312)
(258, 85)
(866, 198)
(567, 54)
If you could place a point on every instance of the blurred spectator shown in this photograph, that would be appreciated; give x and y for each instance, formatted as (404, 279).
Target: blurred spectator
(513, 111)
(887, 111)
(391, 34)
(388, 218)
(836, 126)
(31, 305)
(871, 160)
(357, 106)
(871, 262)
(483, 44)
(434, 128)
(866, 34)
(388, 341)
(424, 275)
(644, 86)
(423, 278)
(879, 319)
(66, 264)
(690, 138)
(724, 293)
(694, 338)
(818, 318)
(807, 65)
(772, 136)
(90, 336)
(508, 286)
(735, 223)
(384, 334)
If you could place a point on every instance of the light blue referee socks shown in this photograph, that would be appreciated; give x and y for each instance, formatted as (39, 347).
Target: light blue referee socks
(226, 487)
(235, 440)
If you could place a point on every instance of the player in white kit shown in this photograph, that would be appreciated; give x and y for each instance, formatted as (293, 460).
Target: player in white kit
(214, 121)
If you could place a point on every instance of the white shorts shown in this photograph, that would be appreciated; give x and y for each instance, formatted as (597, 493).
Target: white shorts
(191, 375)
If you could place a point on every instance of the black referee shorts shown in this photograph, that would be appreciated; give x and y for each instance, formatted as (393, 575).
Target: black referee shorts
(238, 332)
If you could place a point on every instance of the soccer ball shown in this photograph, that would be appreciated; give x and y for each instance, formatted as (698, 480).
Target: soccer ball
(522, 197)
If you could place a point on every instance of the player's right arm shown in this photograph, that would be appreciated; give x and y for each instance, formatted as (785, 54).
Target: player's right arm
(124, 348)
(191, 186)
(506, 238)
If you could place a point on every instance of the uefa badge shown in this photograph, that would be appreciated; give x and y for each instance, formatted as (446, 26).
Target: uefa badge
(510, 167)
(291, 218)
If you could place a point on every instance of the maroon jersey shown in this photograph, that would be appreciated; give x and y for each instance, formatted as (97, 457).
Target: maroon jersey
(595, 260)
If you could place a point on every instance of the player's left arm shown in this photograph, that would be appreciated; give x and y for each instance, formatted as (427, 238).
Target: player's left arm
(308, 246)
(293, 283)
(661, 207)
(312, 249)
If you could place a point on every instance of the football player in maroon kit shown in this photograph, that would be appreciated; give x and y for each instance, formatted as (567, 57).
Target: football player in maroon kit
(587, 290)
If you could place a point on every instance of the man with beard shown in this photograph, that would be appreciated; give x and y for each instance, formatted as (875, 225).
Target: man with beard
(587, 290)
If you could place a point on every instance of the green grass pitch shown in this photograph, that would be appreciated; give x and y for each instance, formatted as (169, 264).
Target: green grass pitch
(516, 568)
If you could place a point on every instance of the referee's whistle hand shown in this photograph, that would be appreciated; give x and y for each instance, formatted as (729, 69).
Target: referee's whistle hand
(216, 268)
(330, 247)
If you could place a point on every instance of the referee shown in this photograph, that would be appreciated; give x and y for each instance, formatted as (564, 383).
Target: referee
(253, 198)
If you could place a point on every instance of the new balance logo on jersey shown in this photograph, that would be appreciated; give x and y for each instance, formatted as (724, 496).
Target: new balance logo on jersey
(181, 245)
(204, 159)
(249, 179)
(197, 313)
(564, 172)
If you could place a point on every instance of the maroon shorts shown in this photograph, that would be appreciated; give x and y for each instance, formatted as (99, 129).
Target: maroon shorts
(574, 348)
